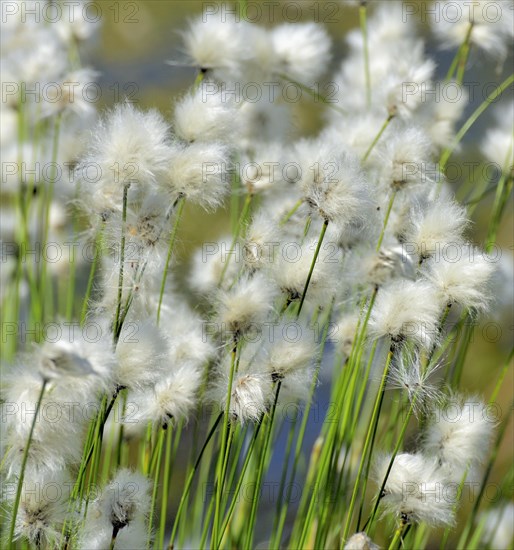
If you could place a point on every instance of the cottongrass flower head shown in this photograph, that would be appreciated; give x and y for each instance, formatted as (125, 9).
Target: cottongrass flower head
(409, 374)
(217, 47)
(251, 389)
(200, 173)
(246, 306)
(302, 51)
(462, 279)
(128, 147)
(491, 31)
(207, 115)
(360, 541)
(414, 491)
(43, 508)
(459, 434)
(118, 515)
(406, 310)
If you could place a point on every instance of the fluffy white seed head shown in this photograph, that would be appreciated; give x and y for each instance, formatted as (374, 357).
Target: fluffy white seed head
(302, 50)
(360, 541)
(142, 354)
(200, 173)
(246, 306)
(459, 434)
(415, 489)
(461, 275)
(407, 310)
(207, 115)
(128, 147)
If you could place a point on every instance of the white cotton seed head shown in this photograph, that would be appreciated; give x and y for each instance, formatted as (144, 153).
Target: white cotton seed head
(210, 262)
(200, 172)
(260, 241)
(407, 310)
(459, 434)
(128, 146)
(339, 190)
(293, 263)
(433, 227)
(171, 399)
(189, 345)
(252, 387)
(461, 274)
(245, 306)
(415, 489)
(302, 50)
(42, 508)
(142, 353)
(492, 29)
(408, 374)
(406, 159)
(289, 357)
(360, 541)
(216, 46)
(206, 115)
(126, 497)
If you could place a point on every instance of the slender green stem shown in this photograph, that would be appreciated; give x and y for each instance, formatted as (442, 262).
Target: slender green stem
(386, 220)
(464, 55)
(260, 471)
(397, 536)
(313, 265)
(374, 419)
(156, 476)
(165, 484)
(91, 278)
(181, 201)
(24, 465)
(493, 96)
(240, 223)
(377, 137)
(190, 478)
(291, 212)
(122, 262)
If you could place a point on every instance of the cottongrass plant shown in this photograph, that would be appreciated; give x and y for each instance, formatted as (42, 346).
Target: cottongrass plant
(142, 410)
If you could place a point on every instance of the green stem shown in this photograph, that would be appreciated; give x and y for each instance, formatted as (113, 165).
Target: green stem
(377, 137)
(260, 470)
(181, 201)
(374, 419)
(23, 465)
(447, 153)
(386, 220)
(242, 218)
(464, 55)
(91, 278)
(156, 476)
(165, 484)
(313, 264)
(122, 262)
(190, 478)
